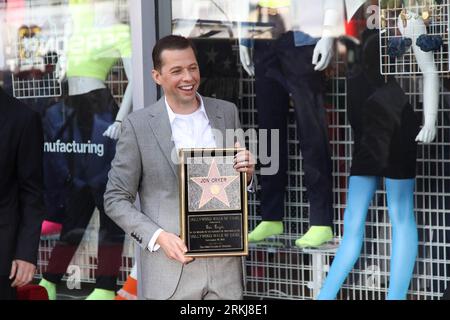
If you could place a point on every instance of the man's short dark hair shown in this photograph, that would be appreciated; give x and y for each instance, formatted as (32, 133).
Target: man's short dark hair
(171, 42)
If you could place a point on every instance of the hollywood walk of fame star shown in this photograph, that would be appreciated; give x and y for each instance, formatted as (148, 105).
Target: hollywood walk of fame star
(213, 186)
(211, 54)
(227, 64)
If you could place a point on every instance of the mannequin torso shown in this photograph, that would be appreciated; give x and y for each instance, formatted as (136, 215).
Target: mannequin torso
(97, 42)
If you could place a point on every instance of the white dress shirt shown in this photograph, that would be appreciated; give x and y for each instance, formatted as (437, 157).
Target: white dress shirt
(188, 131)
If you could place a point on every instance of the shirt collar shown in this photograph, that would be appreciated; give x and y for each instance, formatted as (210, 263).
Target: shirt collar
(173, 115)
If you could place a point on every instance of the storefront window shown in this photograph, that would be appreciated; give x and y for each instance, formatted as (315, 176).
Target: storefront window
(274, 59)
(70, 61)
(259, 55)
(320, 75)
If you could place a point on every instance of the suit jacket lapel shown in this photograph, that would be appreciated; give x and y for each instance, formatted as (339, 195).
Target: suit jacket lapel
(217, 121)
(160, 125)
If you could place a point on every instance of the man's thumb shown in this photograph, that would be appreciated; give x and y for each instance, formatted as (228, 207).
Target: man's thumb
(13, 270)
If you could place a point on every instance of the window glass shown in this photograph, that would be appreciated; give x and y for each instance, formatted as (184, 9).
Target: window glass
(70, 61)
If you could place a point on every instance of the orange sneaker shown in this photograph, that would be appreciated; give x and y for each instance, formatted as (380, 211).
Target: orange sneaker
(128, 291)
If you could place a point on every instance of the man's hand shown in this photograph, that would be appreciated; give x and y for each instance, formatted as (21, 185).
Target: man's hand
(173, 247)
(244, 162)
(22, 272)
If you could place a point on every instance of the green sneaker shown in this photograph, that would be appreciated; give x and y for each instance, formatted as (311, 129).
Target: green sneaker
(102, 294)
(264, 230)
(315, 237)
(50, 287)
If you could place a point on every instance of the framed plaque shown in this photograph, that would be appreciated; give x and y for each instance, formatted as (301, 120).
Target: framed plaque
(213, 209)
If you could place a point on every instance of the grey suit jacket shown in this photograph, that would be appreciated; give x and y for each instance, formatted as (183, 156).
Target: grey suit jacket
(143, 164)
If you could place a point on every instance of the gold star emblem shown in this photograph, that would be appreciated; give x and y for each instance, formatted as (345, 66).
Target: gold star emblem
(213, 186)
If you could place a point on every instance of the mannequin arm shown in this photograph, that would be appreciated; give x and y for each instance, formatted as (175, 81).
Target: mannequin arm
(114, 130)
(416, 27)
(244, 51)
(61, 68)
(125, 107)
(61, 65)
(184, 27)
(324, 50)
(246, 60)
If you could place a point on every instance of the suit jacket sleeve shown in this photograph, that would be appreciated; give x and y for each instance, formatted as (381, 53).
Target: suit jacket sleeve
(30, 176)
(123, 184)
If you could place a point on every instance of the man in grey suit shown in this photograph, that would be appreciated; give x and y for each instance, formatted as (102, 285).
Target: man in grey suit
(145, 164)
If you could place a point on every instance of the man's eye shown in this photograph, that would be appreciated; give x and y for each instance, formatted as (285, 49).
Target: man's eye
(176, 71)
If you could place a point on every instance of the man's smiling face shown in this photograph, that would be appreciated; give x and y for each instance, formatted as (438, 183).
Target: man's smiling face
(179, 77)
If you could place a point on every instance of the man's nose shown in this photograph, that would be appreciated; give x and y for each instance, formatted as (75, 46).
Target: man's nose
(187, 75)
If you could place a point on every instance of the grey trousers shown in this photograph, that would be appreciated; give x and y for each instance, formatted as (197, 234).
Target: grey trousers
(211, 279)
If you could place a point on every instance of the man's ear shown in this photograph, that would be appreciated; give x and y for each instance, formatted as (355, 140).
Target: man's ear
(156, 76)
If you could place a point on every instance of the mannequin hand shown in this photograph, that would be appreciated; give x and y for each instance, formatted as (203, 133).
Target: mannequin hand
(247, 63)
(325, 50)
(60, 71)
(13, 65)
(113, 131)
(427, 134)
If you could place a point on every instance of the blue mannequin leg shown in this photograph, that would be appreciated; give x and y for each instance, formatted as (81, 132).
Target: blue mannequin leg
(400, 197)
(360, 193)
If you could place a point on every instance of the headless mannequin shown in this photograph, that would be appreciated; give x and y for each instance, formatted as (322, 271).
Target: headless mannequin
(320, 231)
(400, 191)
(104, 18)
(92, 101)
(324, 50)
(82, 85)
(185, 27)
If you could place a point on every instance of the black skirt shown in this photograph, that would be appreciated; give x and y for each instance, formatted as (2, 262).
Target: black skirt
(384, 128)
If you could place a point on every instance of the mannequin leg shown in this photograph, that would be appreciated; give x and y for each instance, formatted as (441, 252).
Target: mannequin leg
(400, 197)
(129, 288)
(312, 126)
(272, 102)
(78, 214)
(110, 247)
(307, 88)
(360, 193)
(446, 295)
